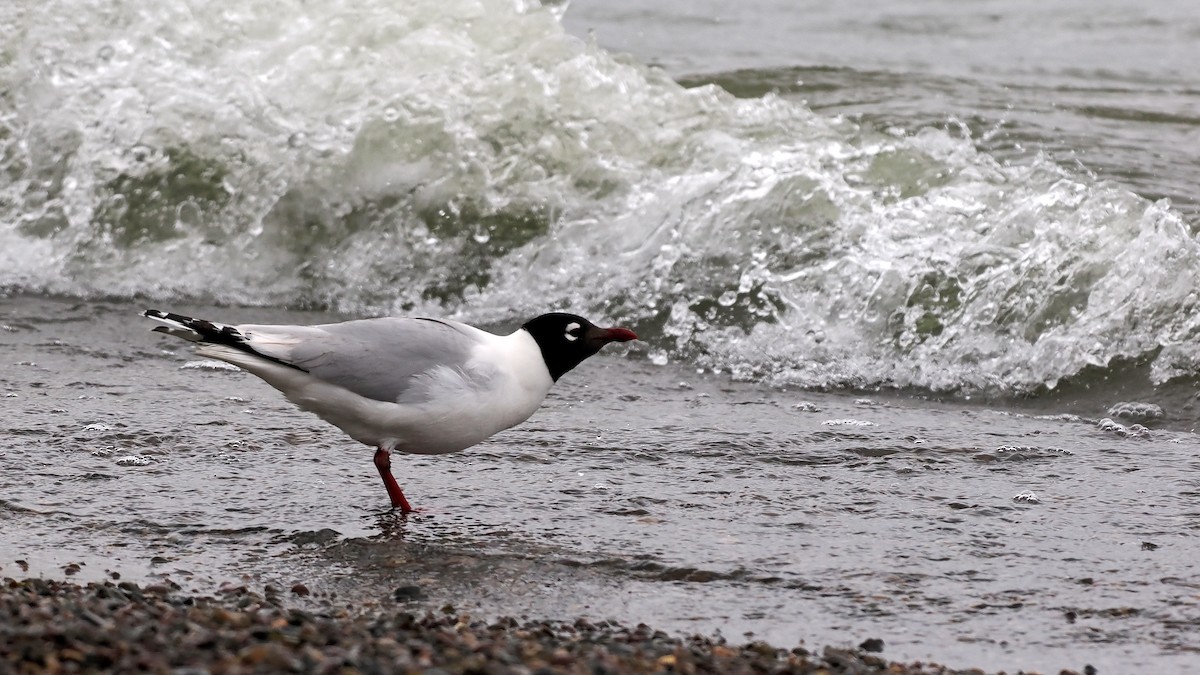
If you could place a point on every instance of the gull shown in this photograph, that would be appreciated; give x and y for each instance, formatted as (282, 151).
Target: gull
(400, 384)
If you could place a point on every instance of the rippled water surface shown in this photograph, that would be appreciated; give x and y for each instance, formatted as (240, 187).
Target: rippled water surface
(1105, 85)
(969, 534)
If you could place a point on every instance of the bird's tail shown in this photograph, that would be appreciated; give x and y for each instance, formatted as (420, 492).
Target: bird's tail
(194, 330)
(209, 333)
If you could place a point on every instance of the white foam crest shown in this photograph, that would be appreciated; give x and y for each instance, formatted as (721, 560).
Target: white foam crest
(174, 151)
(863, 259)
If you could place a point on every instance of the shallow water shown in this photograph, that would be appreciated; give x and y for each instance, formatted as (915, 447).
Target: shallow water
(1104, 85)
(638, 492)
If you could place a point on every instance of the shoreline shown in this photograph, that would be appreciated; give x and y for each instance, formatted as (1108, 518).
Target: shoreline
(60, 626)
(641, 493)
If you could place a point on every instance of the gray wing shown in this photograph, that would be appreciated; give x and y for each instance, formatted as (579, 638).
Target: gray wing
(374, 358)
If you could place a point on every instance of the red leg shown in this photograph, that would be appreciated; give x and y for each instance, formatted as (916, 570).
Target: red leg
(383, 462)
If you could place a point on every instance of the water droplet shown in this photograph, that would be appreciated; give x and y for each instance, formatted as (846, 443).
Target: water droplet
(659, 358)
(297, 139)
(727, 299)
(390, 114)
(105, 53)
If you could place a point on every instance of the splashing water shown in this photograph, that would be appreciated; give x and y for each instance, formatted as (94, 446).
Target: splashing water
(473, 159)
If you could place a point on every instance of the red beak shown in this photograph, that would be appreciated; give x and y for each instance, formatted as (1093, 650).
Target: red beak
(617, 335)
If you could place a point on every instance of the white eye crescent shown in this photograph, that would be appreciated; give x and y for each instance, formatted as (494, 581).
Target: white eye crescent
(571, 328)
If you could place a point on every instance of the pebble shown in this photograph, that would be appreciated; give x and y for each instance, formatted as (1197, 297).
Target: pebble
(405, 593)
(871, 645)
(58, 626)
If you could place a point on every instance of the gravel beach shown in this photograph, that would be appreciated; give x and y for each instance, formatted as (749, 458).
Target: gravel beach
(52, 626)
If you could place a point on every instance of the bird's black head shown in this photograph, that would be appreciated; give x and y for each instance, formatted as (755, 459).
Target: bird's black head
(566, 340)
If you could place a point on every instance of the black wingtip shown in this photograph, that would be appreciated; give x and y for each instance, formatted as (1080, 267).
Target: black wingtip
(207, 332)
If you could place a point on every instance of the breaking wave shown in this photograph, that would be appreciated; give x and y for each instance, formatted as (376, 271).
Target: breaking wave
(471, 158)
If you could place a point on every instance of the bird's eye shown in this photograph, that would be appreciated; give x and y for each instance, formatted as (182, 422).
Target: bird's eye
(573, 331)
